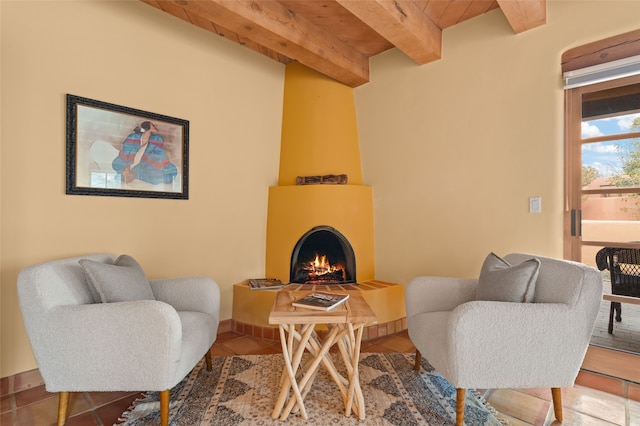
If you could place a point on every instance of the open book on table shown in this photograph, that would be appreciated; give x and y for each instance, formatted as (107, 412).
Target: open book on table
(321, 301)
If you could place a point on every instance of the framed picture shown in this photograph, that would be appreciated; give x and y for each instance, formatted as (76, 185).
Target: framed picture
(118, 151)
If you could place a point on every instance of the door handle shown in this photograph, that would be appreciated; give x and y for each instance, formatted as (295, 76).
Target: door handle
(576, 223)
(579, 222)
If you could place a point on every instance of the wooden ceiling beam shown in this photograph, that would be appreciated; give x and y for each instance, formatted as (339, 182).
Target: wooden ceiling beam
(337, 37)
(178, 11)
(403, 23)
(270, 24)
(524, 14)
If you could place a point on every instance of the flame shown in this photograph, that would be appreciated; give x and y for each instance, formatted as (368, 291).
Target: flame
(321, 263)
(321, 266)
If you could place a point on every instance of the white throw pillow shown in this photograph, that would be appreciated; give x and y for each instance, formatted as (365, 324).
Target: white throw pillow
(123, 281)
(502, 282)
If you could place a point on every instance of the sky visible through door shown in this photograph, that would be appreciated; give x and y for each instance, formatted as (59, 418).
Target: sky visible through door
(606, 157)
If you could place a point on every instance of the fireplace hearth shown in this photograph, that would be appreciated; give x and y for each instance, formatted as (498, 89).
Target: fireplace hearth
(323, 256)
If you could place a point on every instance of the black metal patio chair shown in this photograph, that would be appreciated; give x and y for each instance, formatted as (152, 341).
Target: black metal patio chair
(624, 267)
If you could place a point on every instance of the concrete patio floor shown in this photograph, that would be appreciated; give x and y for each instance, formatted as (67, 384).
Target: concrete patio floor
(626, 334)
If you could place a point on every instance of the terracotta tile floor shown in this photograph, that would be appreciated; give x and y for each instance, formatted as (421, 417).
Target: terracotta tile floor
(595, 400)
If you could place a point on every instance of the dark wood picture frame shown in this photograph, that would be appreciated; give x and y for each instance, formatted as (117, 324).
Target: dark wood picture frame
(104, 155)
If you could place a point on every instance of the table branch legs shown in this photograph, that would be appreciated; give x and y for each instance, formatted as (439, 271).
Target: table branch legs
(295, 342)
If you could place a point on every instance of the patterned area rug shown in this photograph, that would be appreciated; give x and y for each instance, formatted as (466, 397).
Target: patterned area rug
(242, 390)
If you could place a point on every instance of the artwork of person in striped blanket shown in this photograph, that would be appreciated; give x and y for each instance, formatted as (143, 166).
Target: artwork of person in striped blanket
(143, 157)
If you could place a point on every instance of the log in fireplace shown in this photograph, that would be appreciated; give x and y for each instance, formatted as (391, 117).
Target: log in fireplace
(323, 256)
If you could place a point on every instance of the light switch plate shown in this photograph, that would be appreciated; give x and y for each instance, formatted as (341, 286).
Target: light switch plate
(535, 205)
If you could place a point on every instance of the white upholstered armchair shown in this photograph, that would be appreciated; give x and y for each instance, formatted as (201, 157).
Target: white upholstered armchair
(126, 335)
(496, 344)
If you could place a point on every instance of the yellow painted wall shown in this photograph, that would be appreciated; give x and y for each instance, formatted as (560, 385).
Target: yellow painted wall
(131, 54)
(455, 148)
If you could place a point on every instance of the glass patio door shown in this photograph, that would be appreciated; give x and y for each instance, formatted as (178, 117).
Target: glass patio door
(603, 168)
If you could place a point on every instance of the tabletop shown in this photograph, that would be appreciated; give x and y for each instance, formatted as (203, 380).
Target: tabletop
(355, 310)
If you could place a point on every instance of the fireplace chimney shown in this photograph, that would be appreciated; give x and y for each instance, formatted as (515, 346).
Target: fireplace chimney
(319, 137)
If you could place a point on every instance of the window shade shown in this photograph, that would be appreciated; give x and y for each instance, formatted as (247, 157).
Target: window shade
(603, 72)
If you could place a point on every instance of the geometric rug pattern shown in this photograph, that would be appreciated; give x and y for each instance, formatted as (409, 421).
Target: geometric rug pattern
(242, 390)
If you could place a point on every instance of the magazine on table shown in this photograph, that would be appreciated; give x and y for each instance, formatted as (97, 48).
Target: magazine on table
(321, 301)
(265, 283)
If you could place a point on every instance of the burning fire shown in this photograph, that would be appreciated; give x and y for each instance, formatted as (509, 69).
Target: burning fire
(320, 266)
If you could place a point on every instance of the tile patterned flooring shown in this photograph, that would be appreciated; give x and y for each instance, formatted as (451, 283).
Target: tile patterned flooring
(595, 399)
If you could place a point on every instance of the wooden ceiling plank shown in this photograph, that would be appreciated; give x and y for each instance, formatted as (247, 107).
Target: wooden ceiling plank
(478, 7)
(271, 25)
(524, 15)
(435, 9)
(403, 24)
(454, 12)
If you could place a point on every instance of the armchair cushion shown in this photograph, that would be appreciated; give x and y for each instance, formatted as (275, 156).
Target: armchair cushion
(502, 282)
(122, 281)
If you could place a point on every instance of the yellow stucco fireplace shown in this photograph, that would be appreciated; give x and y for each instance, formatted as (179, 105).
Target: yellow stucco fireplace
(319, 138)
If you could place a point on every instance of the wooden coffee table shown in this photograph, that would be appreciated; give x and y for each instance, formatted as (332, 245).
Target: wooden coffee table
(345, 324)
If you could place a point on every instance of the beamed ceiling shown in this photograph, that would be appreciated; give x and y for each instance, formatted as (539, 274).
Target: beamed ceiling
(337, 37)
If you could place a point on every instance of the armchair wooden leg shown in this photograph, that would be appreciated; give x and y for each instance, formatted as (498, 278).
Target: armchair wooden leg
(63, 405)
(416, 366)
(207, 358)
(461, 396)
(164, 407)
(556, 395)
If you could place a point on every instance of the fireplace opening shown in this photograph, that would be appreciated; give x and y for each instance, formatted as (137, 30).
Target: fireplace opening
(323, 256)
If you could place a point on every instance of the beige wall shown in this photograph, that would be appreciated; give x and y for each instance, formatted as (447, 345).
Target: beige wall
(454, 149)
(131, 54)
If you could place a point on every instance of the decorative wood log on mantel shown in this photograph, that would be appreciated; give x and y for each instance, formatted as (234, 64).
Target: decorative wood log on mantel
(326, 179)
